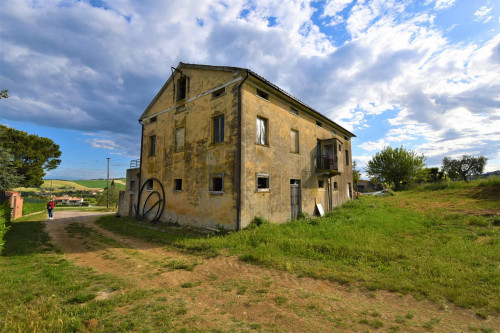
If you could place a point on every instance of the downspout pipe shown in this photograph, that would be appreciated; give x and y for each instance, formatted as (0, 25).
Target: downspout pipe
(140, 169)
(239, 156)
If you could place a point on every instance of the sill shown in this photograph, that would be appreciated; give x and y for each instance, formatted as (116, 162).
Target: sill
(294, 152)
(213, 98)
(217, 143)
(321, 190)
(263, 191)
(262, 98)
(215, 192)
(260, 144)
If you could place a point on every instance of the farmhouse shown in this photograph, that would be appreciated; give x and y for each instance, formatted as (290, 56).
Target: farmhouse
(221, 145)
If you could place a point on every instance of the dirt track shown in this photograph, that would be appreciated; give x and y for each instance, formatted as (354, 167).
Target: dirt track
(224, 288)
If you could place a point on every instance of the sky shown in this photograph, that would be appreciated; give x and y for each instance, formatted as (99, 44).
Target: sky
(422, 74)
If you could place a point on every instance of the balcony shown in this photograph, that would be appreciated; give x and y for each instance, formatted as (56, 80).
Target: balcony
(327, 157)
(327, 163)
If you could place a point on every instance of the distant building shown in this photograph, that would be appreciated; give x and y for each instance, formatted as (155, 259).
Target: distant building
(221, 145)
(68, 201)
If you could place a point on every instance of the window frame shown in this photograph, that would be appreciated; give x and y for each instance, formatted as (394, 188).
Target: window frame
(152, 145)
(266, 127)
(262, 175)
(175, 139)
(347, 159)
(219, 93)
(182, 81)
(262, 94)
(296, 148)
(175, 189)
(149, 186)
(216, 122)
(335, 186)
(211, 184)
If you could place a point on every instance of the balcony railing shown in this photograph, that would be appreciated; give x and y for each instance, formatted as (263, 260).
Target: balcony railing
(135, 164)
(327, 162)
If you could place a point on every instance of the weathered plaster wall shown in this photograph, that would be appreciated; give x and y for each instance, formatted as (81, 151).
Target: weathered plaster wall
(195, 204)
(127, 201)
(279, 162)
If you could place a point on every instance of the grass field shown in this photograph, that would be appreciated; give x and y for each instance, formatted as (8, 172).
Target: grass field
(439, 245)
(442, 245)
(72, 185)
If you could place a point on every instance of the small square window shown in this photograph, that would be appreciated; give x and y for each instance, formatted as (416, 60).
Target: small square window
(346, 138)
(321, 184)
(319, 124)
(149, 185)
(335, 186)
(216, 185)
(262, 94)
(152, 145)
(153, 119)
(294, 111)
(263, 182)
(218, 128)
(178, 184)
(218, 93)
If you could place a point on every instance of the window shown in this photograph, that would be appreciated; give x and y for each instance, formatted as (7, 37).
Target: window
(335, 186)
(262, 130)
(349, 188)
(321, 184)
(319, 124)
(346, 138)
(178, 184)
(132, 185)
(216, 185)
(152, 145)
(149, 185)
(218, 129)
(218, 93)
(153, 119)
(179, 139)
(346, 157)
(262, 94)
(294, 141)
(263, 182)
(294, 112)
(181, 88)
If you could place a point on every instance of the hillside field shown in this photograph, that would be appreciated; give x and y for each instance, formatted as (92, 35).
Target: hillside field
(72, 185)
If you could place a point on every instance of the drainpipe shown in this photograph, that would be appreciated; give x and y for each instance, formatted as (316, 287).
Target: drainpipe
(140, 168)
(239, 158)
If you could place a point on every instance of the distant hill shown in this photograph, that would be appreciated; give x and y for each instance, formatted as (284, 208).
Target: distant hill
(73, 185)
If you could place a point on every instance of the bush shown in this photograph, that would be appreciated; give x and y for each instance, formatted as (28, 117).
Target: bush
(5, 216)
(256, 222)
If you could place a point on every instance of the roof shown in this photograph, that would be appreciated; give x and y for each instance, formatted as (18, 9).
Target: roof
(255, 75)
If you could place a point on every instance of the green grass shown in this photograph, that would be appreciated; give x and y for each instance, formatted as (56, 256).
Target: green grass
(400, 243)
(97, 183)
(32, 207)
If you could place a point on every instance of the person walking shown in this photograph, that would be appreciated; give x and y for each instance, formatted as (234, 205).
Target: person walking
(50, 207)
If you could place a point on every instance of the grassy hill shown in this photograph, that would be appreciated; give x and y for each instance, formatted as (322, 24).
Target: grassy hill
(72, 185)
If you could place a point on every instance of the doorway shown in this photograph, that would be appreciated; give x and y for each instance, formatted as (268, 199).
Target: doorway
(295, 198)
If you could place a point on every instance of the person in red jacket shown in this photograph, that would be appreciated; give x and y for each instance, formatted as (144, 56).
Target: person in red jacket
(50, 207)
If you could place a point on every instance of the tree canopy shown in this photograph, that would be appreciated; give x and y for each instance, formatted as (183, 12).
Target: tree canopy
(464, 167)
(397, 167)
(30, 155)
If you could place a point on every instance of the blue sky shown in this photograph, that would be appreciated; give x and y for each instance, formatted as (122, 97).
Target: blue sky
(420, 74)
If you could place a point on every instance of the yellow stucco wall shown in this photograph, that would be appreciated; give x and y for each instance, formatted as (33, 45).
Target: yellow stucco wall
(194, 205)
(279, 162)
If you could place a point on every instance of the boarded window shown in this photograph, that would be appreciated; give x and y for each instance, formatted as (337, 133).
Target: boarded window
(218, 129)
(263, 182)
(294, 141)
(179, 139)
(181, 88)
(262, 130)
(152, 145)
(178, 184)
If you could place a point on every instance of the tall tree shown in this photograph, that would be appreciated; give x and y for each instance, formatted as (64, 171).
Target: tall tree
(32, 155)
(397, 167)
(8, 178)
(356, 174)
(464, 167)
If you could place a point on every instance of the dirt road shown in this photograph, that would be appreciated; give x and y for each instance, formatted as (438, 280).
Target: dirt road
(218, 290)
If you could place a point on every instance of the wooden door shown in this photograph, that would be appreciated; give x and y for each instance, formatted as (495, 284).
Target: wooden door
(295, 200)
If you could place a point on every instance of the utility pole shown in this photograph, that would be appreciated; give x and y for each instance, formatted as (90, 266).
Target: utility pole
(107, 187)
(50, 189)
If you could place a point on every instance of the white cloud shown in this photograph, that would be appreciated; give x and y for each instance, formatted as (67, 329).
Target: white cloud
(481, 14)
(442, 4)
(371, 146)
(103, 144)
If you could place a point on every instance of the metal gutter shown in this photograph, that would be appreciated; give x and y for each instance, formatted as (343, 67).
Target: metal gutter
(239, 158)
(140, 170)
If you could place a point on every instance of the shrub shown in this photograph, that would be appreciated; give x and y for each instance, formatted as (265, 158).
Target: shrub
(256, 222)
(5, 216)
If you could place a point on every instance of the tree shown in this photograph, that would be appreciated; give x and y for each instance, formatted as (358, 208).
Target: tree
(31, 155)
(355, 173)
(397, 167)
(8, 178)
(464, 167)
(4, 94)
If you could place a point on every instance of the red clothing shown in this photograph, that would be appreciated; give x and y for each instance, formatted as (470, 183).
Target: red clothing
(51, 205)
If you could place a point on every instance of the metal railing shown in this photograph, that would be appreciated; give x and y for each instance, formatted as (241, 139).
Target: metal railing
(135, 164)
(327, 162)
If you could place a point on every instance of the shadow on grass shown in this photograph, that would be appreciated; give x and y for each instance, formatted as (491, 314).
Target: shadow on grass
(24, 238)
